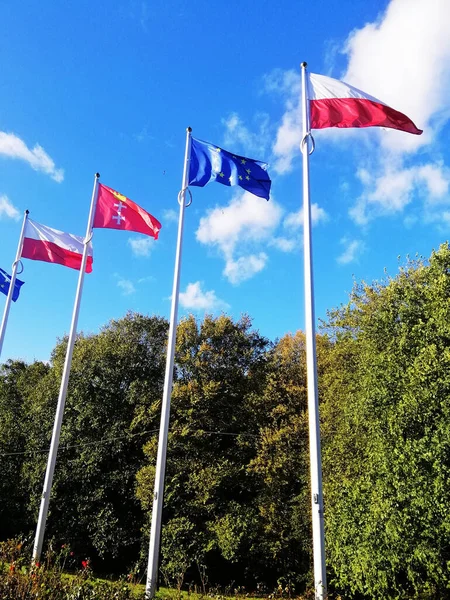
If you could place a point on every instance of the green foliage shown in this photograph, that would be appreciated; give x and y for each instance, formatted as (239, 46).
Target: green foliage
(220, 366)
(112, 407)
(237, 498)
(17, 381)
(48, 581)
(386, 424)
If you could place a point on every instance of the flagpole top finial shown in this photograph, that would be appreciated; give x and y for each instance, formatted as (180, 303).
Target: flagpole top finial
(304, 64)
(189, 129)
(27, 212)
(97, 175)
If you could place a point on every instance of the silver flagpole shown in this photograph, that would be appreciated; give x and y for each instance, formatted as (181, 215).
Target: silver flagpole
(40, 529)
(155, 529)
(307, 147)
(12, 282)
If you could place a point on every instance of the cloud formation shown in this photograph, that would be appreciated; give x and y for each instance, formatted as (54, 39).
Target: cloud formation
(352, 250)
(251, 143)
(126, 286)
(402, 58)
(236, 229)
(286, 84)
(194, 298)
(141, 246)
(7, 209)
(413, 77)
(243, 230)
(12, 146)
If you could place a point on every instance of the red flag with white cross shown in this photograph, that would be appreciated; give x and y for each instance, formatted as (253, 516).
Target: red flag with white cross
(116, 211)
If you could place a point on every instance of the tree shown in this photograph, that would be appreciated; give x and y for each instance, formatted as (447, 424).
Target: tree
(387, 438)
(282, 463)
(17, 379)
(112, 404)
(209, 491)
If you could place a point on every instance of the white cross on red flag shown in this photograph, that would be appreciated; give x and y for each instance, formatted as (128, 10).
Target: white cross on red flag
(116, 211)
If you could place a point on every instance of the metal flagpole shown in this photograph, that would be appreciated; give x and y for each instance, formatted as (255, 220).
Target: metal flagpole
(307, 148)
(40, 529)
(12, 282)
(155, 529)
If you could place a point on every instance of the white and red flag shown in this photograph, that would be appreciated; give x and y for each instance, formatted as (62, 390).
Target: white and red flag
(333, 103)
(116, 211)
(50, 245)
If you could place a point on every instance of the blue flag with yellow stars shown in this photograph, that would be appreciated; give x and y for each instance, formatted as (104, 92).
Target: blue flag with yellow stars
(5, 280)
(210, 163)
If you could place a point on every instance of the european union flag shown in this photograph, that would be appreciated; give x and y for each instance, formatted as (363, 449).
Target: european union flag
(5, 280)
(210, 163)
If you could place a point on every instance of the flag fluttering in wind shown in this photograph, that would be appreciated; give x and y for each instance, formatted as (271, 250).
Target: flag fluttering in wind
(116, 211)
(333, 103)
(5, 281)
(210, 163)
(54, 246)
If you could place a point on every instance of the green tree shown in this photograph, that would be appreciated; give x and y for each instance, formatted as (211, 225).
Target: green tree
(209, 491)
(17, 379)
(282, 463)
(387, 436)
(112, 407)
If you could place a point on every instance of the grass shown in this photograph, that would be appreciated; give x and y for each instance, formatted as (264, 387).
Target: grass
(62, 577)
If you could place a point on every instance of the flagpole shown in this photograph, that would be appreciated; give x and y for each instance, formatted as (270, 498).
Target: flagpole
(155, 529)
(13, 281)
(45, 499)
(307, 147)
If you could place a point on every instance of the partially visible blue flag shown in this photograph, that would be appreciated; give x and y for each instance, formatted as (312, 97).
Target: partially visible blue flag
(210, 163)
(5, 280)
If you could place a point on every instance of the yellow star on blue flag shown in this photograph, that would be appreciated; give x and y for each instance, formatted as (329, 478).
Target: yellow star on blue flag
(210, 163)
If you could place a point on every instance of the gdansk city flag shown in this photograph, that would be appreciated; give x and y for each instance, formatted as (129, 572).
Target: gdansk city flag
(115, 211)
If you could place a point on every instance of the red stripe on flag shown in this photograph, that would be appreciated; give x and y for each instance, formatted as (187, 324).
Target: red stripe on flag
(51, 252)
(357, 112)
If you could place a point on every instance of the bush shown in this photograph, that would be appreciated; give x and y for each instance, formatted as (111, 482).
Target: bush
(20, 580)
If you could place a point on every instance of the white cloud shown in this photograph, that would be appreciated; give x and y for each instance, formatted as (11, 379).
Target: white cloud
(126, 286)
(170, 215)
(289, 133)
(7, 209)
(413, 77)
(194, 298)
(246, 218)
(237, 135)
(389, 187)
(246, 222)
(284, 244)
(146, 279)
(294, 220)
(404, 59)
(13, 147)
(352, 250)
(244, 267)
(141, 246)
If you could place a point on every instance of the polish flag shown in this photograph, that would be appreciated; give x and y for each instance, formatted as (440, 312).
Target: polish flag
(115, 211)
(334, 103)
(50, 245)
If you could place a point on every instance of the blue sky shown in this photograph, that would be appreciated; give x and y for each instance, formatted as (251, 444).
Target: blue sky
(111, 87)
